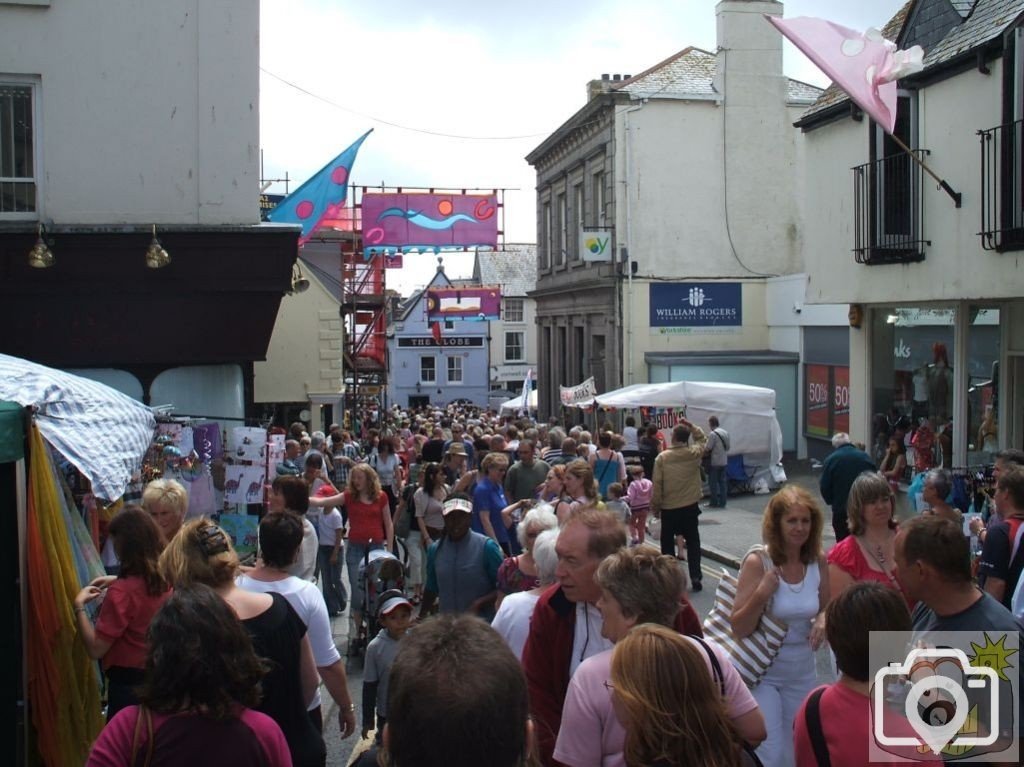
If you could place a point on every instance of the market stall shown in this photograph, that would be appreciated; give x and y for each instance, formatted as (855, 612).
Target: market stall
(514, 405)
(746, 412)
(49, 417)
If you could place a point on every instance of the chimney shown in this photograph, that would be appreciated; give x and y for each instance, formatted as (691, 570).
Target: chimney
(597, 87)
(749, 65)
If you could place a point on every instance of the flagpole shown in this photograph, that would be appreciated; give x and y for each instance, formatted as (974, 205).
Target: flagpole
(956, 196)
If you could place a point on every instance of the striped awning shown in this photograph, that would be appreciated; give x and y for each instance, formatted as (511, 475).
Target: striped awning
(102, 432)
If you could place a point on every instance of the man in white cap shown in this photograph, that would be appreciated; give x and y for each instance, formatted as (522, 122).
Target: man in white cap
(462, 567)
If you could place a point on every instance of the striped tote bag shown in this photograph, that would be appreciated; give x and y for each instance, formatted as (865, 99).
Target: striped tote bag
(751, 655)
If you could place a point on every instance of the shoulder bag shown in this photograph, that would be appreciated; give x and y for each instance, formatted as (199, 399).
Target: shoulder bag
(751, 655)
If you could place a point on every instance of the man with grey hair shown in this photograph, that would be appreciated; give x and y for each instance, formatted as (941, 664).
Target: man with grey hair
(843, 465)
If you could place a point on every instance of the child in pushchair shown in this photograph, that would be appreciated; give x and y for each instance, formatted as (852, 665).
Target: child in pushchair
(380, 571)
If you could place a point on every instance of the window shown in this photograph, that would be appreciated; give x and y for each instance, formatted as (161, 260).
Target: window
(1002, 149)
(514, 343)
(513, 310)
(561, 242)
(577, 216)
(454, 370)
(428, 370)
(597, 215)
(547, 241)
(17, 151)
(887, 202)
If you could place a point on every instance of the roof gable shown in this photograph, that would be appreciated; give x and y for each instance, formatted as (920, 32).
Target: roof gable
(514, 268)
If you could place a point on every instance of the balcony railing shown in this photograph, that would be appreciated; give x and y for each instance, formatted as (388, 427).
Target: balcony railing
(887, 208)
(1002, 187)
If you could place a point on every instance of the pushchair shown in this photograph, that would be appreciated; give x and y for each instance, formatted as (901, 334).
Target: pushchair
(380, 571)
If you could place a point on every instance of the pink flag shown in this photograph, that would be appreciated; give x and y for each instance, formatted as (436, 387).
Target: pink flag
(865, 65)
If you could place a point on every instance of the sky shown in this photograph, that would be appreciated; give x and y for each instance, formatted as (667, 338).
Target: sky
(459, 92)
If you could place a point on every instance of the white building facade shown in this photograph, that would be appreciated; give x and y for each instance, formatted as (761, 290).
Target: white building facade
(693, 170)
(934, 287)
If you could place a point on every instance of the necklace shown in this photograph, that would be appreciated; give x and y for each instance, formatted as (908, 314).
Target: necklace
(878, 554)
(803, 581)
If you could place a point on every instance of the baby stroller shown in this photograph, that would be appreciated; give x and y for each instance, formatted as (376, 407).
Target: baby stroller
(380, 571)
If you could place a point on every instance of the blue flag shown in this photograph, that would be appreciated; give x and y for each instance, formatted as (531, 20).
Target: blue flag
(321, 197)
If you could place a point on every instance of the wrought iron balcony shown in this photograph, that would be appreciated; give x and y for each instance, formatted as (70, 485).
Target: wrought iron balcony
(1002, 187)
(888, 225)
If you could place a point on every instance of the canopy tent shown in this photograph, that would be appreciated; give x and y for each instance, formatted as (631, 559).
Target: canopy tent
(514, 405)
(102, 432)
(746, 412)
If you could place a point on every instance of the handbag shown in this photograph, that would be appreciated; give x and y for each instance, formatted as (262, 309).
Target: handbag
(751, 655)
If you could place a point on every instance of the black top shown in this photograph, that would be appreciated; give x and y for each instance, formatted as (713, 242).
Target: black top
(277, 636)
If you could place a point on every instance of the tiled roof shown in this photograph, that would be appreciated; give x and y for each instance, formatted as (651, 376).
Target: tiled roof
(514, 268)
(691, 72)
(688, 72)
(984, 21)
(988, 20)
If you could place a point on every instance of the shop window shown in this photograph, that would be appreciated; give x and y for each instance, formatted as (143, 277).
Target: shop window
(513, 309)
(514, 351)
(18, 186)
(983, 342)
(428, 370)
(455, 370)
(912, 379)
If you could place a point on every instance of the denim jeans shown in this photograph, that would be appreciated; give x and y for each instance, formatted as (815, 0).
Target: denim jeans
(718, 483)
(330, 580)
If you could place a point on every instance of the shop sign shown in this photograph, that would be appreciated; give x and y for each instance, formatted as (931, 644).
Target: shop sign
(817, 396)
(841, 399)
(596, 244)
(419, 341)
(696, 304)
(572, 395)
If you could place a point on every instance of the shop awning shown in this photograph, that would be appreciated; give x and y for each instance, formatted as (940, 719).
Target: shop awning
(102, 432)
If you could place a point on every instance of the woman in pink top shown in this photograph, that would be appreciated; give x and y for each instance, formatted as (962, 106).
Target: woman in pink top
(638, 585)
(129, 603)
(867, 554)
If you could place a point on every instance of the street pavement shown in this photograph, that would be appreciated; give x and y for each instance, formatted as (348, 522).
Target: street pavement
(726, 535)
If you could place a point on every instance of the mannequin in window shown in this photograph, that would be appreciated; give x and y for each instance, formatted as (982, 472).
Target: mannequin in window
(940, 382)
(920, 382)
(988, 432)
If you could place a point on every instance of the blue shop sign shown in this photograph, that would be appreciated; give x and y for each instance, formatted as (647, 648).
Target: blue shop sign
(696, 304)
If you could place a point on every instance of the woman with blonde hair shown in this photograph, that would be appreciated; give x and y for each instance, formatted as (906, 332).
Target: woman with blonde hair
(553, 492)
(166, 500)
(789, 579)
(582, 487)
(202, 553)
(670, 704)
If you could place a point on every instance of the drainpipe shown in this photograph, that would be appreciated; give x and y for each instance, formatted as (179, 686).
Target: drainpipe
(625, 247)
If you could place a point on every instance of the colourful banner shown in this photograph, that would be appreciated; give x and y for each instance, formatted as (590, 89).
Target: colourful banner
(429, 221)
(817, 397)
(476, 303)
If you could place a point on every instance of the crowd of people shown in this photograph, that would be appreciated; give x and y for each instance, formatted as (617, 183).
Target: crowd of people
(526, 619)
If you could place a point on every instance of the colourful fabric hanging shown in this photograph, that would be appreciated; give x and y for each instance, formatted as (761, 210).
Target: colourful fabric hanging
(62, 680)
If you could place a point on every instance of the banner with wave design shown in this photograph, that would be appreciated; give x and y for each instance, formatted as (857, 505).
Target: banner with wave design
(392, 220)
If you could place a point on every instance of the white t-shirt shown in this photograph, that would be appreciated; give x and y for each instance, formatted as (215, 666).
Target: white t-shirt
(587, 640)
(305, 566)
(513, 619)
(331, 524)
(307, 601)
